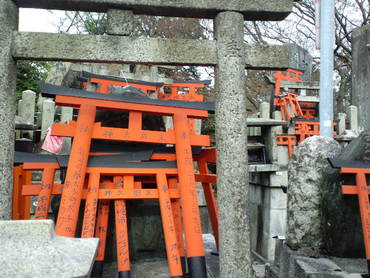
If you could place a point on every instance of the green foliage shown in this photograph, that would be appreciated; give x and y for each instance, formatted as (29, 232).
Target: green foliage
(29, 73)
(95, 26)
(83, 23)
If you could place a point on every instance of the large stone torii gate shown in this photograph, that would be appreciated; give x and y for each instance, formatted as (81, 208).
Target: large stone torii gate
(227, 53)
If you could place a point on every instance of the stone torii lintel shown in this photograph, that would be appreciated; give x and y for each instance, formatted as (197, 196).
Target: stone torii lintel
(126, 49)
(251, 9)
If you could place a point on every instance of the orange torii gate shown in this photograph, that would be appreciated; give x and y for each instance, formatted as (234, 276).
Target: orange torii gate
(104, 82)
(184, 90)
(122, 188)
(289, 75)
(85, 130)
(179, 90)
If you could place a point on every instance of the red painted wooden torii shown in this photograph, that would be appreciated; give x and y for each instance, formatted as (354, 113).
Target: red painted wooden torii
(85, 130)
(104, 82)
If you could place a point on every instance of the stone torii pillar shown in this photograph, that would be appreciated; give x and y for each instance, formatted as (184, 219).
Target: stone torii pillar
(231, 138)
(8, 23)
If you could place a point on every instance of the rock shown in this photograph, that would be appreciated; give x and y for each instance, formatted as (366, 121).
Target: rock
(294, 264)
(30, 248)
(304, 191)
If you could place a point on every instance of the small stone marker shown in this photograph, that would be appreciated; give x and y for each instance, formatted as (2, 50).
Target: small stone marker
(352, 115)
(48, 111)
(30, 248)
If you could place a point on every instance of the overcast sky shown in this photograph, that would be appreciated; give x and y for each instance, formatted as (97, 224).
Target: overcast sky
(36, 20)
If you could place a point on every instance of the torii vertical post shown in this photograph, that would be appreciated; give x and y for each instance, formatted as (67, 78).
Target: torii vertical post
(9, 24)
(231, 137)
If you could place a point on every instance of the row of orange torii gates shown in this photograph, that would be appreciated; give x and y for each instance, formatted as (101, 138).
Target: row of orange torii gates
(227, 53)
(118, 176)
(303, 114)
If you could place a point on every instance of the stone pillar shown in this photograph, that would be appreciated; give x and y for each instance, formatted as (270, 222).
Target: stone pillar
(353, 118)
(231, 138)
(19, 111)
(67, 115)
(306, 172)
(48, 112)
(342, 123)
(120, 22)
(264, 110)
(8, 24)
(360, 74)
(27, 106)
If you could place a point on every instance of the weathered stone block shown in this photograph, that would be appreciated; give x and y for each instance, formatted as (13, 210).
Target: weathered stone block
(264, 110)
(251, 9)
(306, 171)
(120, 22)
(360, 74)
(274, 224)
(27, 109)
(286, 262)
(30, 248)
(297, 265)
(28, 105)
(48, 112)
(66, 116)
(352, 114)
(342, 122)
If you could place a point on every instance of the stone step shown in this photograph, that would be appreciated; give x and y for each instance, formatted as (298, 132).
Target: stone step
(258, 270)
(271, 271)
(30, 248)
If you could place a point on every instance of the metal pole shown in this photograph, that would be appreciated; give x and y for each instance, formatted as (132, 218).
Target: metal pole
(327, 67)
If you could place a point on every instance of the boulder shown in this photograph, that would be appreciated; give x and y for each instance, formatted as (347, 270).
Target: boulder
(30, 248)
(306, 170)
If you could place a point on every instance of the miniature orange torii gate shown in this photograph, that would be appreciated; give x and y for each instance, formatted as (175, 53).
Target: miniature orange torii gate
(288, 102)
(104, 82)
(122, 188)
(289, 75)
(124, 182)
(50, 164)
(130, 190)
(306, 128)
(85, 130)
(191, 86)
